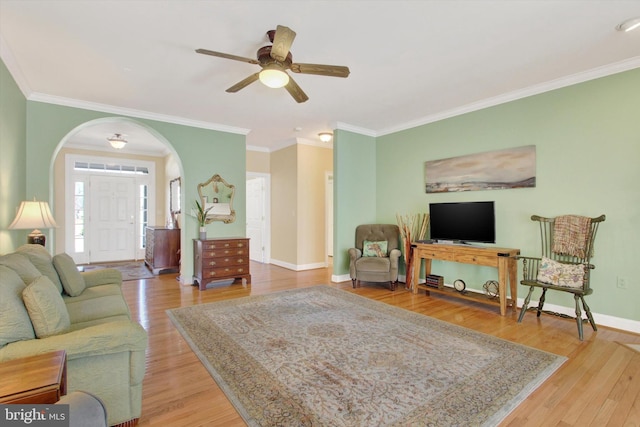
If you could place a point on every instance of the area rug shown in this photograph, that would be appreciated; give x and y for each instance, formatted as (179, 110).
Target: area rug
(131, 270)
(320, 356)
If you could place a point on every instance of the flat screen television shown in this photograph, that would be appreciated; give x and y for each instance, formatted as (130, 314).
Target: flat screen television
(463, 222)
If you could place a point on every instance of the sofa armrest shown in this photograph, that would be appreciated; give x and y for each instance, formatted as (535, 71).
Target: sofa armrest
(106, 338)
(103, 276)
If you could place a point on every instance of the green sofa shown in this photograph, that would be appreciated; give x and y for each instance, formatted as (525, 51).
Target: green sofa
(46, 304)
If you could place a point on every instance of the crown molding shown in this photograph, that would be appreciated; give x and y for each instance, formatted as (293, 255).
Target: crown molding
(12, 65)
(104, 108)
(595, 73)
(355, 129)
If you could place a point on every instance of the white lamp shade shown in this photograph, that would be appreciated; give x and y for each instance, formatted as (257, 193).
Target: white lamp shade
(33, 214)
(274, 77)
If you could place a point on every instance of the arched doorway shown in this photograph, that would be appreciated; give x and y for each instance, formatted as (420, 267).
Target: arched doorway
(107, 197)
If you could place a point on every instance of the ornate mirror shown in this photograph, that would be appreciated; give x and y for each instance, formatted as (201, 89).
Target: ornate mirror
(174, 196)
(216, 197)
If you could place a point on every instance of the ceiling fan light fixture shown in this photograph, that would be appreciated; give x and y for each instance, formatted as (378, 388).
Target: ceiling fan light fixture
(274, 76)
(325, 136)
(629, 25)
(117, 141)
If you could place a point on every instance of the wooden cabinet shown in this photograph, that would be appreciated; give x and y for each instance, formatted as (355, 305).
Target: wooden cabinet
(162, 251)
(219, 259)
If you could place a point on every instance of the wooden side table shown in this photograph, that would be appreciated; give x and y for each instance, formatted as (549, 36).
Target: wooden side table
(40, 379)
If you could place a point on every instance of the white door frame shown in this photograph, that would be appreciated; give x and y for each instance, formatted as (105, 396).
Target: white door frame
(328, 194)
(266, 236)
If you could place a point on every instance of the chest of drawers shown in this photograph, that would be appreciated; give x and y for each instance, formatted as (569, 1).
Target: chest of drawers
(220, 259)
(162, 250)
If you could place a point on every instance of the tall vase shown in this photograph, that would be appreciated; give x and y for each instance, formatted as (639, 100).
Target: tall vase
(203, 233)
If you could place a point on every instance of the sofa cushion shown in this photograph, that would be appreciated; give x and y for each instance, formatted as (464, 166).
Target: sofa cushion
(15, 324)
(21, 265)
(46, 308)
(95, 305)
(72, 280)
(41, 258)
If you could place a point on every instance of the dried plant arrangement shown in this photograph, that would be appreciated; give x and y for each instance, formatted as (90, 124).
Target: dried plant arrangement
(412, 227)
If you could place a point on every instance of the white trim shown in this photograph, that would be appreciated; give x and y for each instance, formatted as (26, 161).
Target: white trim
(340, 278)
(93, 106)
(256, 148)
(355, 129)
(300, 267)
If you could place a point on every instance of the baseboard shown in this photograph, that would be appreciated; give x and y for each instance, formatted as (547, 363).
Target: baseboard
(600, 319)
(296, 267)
(340, 278)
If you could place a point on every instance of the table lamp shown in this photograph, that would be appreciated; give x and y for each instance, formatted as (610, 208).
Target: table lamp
(33, 214)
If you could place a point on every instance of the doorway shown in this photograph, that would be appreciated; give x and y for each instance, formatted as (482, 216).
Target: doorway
(108, 206)
(258, 216)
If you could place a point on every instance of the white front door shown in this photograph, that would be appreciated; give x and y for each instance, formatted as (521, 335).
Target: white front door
(256, 217)
(112, 220)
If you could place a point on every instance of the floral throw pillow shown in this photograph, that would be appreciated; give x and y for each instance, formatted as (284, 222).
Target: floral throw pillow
(377, 249)
(559, 274)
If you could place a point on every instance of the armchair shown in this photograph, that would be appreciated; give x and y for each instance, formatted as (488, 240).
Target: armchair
(375, 255)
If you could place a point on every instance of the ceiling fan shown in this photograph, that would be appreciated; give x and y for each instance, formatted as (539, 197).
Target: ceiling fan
(275, 60)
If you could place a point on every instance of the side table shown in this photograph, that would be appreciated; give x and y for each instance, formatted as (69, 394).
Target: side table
(40, 379)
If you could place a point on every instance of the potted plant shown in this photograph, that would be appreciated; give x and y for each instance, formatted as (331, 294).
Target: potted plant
(201, 216)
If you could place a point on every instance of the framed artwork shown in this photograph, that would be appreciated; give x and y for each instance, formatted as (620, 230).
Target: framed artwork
(491, 170)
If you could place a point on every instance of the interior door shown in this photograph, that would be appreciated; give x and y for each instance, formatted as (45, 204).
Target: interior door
(256, 217)
(112, 223)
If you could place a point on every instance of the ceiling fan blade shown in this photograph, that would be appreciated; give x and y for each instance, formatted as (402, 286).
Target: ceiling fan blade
(226, 55)
(295, 91)
(244, 83)
(282, 42)
(322, 70)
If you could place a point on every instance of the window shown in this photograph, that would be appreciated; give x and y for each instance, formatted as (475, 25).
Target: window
(78, 216)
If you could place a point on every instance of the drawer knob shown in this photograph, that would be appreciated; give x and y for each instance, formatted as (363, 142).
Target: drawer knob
(212, 263)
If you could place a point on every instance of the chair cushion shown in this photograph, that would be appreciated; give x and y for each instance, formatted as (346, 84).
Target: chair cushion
(560, 274)
(373, 264)
(376, 249)
(15, 324)
(46, 308)
(41, 258)
(72, 280)
(21, 265)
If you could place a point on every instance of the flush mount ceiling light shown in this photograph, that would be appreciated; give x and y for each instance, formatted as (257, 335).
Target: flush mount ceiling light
(274, 76)
(629, 25)
(325, 136)
(117, 141)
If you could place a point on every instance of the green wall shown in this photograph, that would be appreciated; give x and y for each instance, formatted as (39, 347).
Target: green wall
(202, 153)
(354, 193)
(587, 139)
(13, 117)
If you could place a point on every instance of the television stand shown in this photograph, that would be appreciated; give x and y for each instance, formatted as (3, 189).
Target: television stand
(504, 259)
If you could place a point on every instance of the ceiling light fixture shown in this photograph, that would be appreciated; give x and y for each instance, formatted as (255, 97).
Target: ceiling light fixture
(117, 141)
(325, 136)
(629, 25)
(274, 76)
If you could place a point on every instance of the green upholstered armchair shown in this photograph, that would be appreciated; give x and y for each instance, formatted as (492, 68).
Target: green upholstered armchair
(375, 255)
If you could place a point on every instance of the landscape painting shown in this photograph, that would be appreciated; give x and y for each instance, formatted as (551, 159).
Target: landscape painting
(491, 170)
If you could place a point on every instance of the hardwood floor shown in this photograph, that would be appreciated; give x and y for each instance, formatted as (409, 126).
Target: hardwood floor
(598, 386)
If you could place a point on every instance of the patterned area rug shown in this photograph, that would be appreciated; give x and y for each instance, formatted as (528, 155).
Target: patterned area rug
(320, 356)
(131, 270)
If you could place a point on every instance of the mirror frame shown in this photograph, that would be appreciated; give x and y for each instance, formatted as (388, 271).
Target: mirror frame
(231, 217)
(174, 195)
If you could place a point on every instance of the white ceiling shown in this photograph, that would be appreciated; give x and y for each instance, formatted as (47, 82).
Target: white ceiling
(411, 62)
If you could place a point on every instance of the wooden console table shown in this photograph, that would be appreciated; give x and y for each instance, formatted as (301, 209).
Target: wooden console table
(504, 259)
(40, 379)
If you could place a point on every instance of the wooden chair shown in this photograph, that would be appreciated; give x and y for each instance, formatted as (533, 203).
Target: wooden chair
(567, 247)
